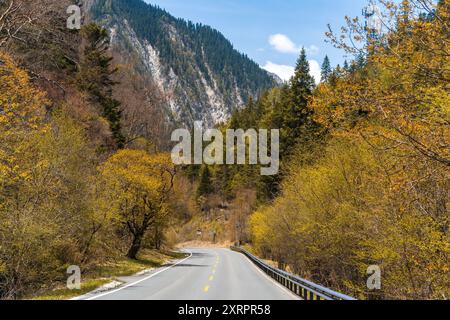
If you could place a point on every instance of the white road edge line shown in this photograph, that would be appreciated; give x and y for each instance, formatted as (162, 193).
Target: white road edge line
(276, 283)
(139, 281)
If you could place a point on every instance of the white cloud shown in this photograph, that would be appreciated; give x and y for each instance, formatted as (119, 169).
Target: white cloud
(282, 43)
(286, 72)
(283, 71)
(315, 70)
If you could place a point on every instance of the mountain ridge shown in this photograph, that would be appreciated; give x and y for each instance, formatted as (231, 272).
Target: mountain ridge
(198, 70)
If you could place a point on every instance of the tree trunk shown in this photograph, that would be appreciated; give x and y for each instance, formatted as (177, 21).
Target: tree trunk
(135, 246)
(157, 239)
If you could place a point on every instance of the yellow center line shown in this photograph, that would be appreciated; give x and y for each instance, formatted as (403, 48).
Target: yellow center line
(211, 278)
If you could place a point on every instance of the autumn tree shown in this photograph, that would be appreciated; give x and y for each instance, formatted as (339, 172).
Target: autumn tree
(138, 186)
(45, 210)
(408, 90)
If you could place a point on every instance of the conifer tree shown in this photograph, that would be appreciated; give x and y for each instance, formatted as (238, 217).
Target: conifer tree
(326, 69)
(204, 187)
(296, 113)
(361, 61)
(95, 77)
(302, 83)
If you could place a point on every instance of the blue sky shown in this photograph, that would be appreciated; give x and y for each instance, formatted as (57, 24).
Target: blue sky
(272, 31)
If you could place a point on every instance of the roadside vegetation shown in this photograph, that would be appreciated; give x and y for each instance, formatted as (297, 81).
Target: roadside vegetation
(364, 161)
(77, 187)
(107, 273)
(376, 190)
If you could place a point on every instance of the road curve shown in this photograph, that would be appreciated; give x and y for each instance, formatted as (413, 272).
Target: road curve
(208, 274)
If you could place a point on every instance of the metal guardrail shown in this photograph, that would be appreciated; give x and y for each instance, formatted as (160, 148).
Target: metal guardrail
(301, 287)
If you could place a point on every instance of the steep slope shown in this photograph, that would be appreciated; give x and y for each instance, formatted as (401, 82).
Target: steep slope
(196, 68)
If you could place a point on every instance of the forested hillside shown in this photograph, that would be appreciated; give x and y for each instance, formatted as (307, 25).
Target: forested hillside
(196, 68)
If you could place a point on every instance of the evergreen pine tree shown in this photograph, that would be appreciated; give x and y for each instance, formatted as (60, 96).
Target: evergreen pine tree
(326, 69)
(95, 77)
(205, 187)
(360, 61)
(296, 113)
(302, 83)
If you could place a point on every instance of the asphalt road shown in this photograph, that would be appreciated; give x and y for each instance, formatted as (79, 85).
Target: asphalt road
(208, 274)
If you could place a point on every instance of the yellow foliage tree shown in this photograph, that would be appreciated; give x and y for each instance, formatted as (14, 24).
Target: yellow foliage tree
(343, 214)
(138, 186)
(21, 117)
(401, 98)
(44, 200)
